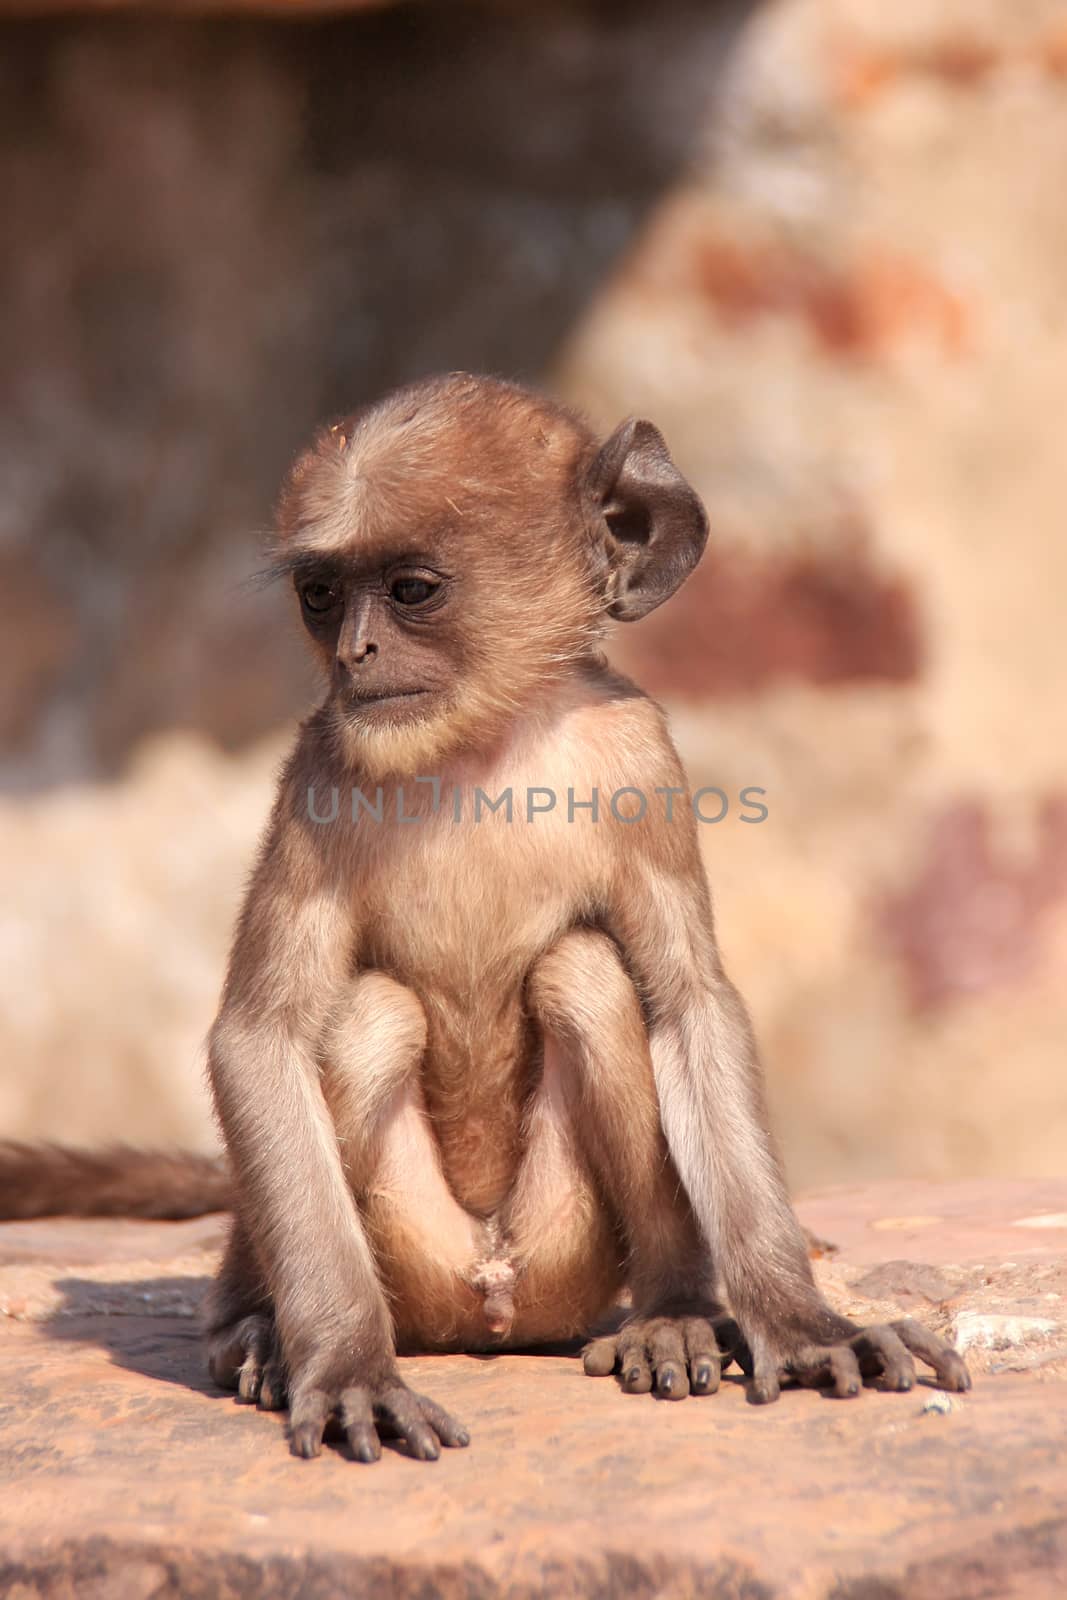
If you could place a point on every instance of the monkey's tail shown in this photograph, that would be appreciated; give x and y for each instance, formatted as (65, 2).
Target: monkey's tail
(48, 1180)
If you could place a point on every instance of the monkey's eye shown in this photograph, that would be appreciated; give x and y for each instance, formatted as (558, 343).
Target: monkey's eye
(412, 591)
(319, 597)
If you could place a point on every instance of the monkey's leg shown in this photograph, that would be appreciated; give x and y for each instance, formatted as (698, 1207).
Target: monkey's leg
(556, 1261)
(425, 1243)
(596, 1047)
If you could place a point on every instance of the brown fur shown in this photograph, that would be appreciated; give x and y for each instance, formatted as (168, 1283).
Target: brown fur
(477, 1077)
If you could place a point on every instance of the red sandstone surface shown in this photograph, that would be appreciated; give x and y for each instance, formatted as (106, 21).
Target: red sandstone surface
(124, 1473)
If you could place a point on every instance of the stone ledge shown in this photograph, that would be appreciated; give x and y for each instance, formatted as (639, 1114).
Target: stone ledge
(125, 1474)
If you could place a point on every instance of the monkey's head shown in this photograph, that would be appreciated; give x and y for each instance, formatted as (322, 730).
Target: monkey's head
(457, 550)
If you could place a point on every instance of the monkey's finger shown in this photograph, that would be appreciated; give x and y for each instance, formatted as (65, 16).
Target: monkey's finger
(844, 1371)
(357, 1419)
(949, 1367)
(633, 1365)
(831, 1367)
(599, 1358)
(308, 1415)
(666, 1351)
(702, 1353)
(765, 1386)
(401, 1408)
(451, 1433)
(882, 1352)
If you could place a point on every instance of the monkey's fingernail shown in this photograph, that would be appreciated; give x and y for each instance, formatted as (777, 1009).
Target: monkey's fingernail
(702, 1376)
(666, 1382)
(462, 1438)
(633, 1374)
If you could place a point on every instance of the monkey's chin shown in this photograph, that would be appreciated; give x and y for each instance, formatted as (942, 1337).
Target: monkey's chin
(394, 737)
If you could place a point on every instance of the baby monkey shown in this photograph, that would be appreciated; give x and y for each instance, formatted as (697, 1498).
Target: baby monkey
(477, 1064)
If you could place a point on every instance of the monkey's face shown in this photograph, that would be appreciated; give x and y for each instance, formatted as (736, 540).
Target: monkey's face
(433, 643)
(458, 548)
(385, 622)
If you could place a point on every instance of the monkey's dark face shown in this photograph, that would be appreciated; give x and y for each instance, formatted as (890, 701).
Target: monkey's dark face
(386, 625)
(459, 547)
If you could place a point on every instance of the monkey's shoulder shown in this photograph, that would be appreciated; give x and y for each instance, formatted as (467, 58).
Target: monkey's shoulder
(617, 725)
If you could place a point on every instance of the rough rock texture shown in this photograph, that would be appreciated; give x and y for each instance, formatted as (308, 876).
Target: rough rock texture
(124, 1474)
(821, 241)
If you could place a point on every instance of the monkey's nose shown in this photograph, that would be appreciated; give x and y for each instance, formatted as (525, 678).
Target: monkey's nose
(356, 656)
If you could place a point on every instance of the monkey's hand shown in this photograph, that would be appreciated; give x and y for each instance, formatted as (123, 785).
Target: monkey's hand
(368, 1404)
(247, 1356)
(882, 1352)
(674, 1355)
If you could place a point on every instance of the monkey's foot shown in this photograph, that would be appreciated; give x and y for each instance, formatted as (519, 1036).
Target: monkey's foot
(882, 1352)
(673, 1355)
(366, 1411)
(246, 1357)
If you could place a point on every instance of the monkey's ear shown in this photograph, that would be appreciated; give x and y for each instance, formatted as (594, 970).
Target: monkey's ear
(653, 525)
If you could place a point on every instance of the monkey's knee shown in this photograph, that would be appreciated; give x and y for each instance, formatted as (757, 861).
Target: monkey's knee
(581, 990)
(374, 1044)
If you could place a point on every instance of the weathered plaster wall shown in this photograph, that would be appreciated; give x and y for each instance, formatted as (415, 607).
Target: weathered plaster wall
(820, 241)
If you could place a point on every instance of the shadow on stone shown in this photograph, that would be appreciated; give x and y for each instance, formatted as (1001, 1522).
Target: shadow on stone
(147, 1325)
(151, 1326)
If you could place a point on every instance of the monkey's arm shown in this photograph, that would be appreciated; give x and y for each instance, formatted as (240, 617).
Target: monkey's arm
(290, 957)
(710, 1090)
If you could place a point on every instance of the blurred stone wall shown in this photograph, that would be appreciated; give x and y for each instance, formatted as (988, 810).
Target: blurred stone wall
(821, 242)
(225, 231)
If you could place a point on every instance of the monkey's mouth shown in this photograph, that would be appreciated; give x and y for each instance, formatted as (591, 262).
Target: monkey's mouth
(386, 697)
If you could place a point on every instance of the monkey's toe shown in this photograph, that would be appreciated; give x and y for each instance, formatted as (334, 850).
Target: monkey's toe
(598, 1358)
(670, 1357)
(667, 1355)
(634, 1368)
